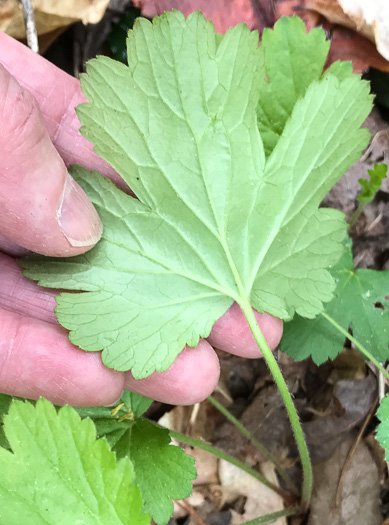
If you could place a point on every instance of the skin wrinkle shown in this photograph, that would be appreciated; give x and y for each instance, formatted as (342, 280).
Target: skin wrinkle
(7, 342)
(23, 296)
(53, 361)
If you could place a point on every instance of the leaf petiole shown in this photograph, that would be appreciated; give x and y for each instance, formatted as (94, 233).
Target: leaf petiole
(286, 496)
(356, 215)
(287, 398)
(357, 344)
(271, 518)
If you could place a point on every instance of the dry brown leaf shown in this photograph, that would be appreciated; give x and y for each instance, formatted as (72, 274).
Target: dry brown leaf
(206, 466)
(371, 18)
(260, 499)
(359, 504)
(50, 15)
(257, 14)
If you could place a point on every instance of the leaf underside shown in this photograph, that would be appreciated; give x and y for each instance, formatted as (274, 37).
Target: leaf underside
(217, 220)
(360, 303)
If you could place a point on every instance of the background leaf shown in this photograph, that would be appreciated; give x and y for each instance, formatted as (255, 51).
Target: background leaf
(383, 428)
(360, 302)
(59, 474)
(292, 60)
(136, 403)
(163, 471)
(370, 187)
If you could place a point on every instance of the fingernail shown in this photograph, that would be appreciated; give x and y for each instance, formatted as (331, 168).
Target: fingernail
(76, 216)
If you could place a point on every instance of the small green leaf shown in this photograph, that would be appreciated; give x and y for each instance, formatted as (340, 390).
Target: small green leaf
(215, 222)
(383, 428)
(370, 188)
(163, 471)
(292, 59)
(360, 302)
(5, 402)
(107, 425)
(136, 403)
(57, 473)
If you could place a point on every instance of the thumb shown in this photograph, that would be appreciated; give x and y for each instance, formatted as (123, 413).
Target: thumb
(41, 206)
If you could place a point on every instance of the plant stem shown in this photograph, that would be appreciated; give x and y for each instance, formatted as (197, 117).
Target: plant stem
(262, 449)
(222, 455)
(287, 398)
(357, 344)
(271, 518)
(355, 215)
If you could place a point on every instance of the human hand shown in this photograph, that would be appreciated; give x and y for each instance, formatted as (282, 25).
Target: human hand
(44, 210)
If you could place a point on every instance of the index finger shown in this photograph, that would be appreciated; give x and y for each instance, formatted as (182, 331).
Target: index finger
(57, 94)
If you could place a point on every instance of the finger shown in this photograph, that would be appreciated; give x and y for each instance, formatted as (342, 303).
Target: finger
(57, 94)
(11, 248)
(37, 359)
(232, 333)
(24, 296)
(43, 209)
(192, 378)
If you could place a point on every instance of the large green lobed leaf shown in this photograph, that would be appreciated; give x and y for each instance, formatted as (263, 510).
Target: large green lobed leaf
(57, 473)
(216, 221)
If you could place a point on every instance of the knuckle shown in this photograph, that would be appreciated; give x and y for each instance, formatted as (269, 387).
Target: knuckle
(19, 114)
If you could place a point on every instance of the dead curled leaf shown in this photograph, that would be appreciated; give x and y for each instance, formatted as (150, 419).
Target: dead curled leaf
(256, 14)
(355, 398)
(259, 498)
(50, 15)
(359, 501)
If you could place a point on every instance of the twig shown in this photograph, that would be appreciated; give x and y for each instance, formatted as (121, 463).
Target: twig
(271, 518)
(29, 21)
(351, 452)
(376, 138)
(259, 446)
(286, 496)
(184, 504)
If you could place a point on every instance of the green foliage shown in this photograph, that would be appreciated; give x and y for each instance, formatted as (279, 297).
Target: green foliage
(360, 302)
(136, 403)
(57, 473)
(370, 188)
(5, 402)
(163, 471)
(215, 222)
(383, 428)
(292, 60)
